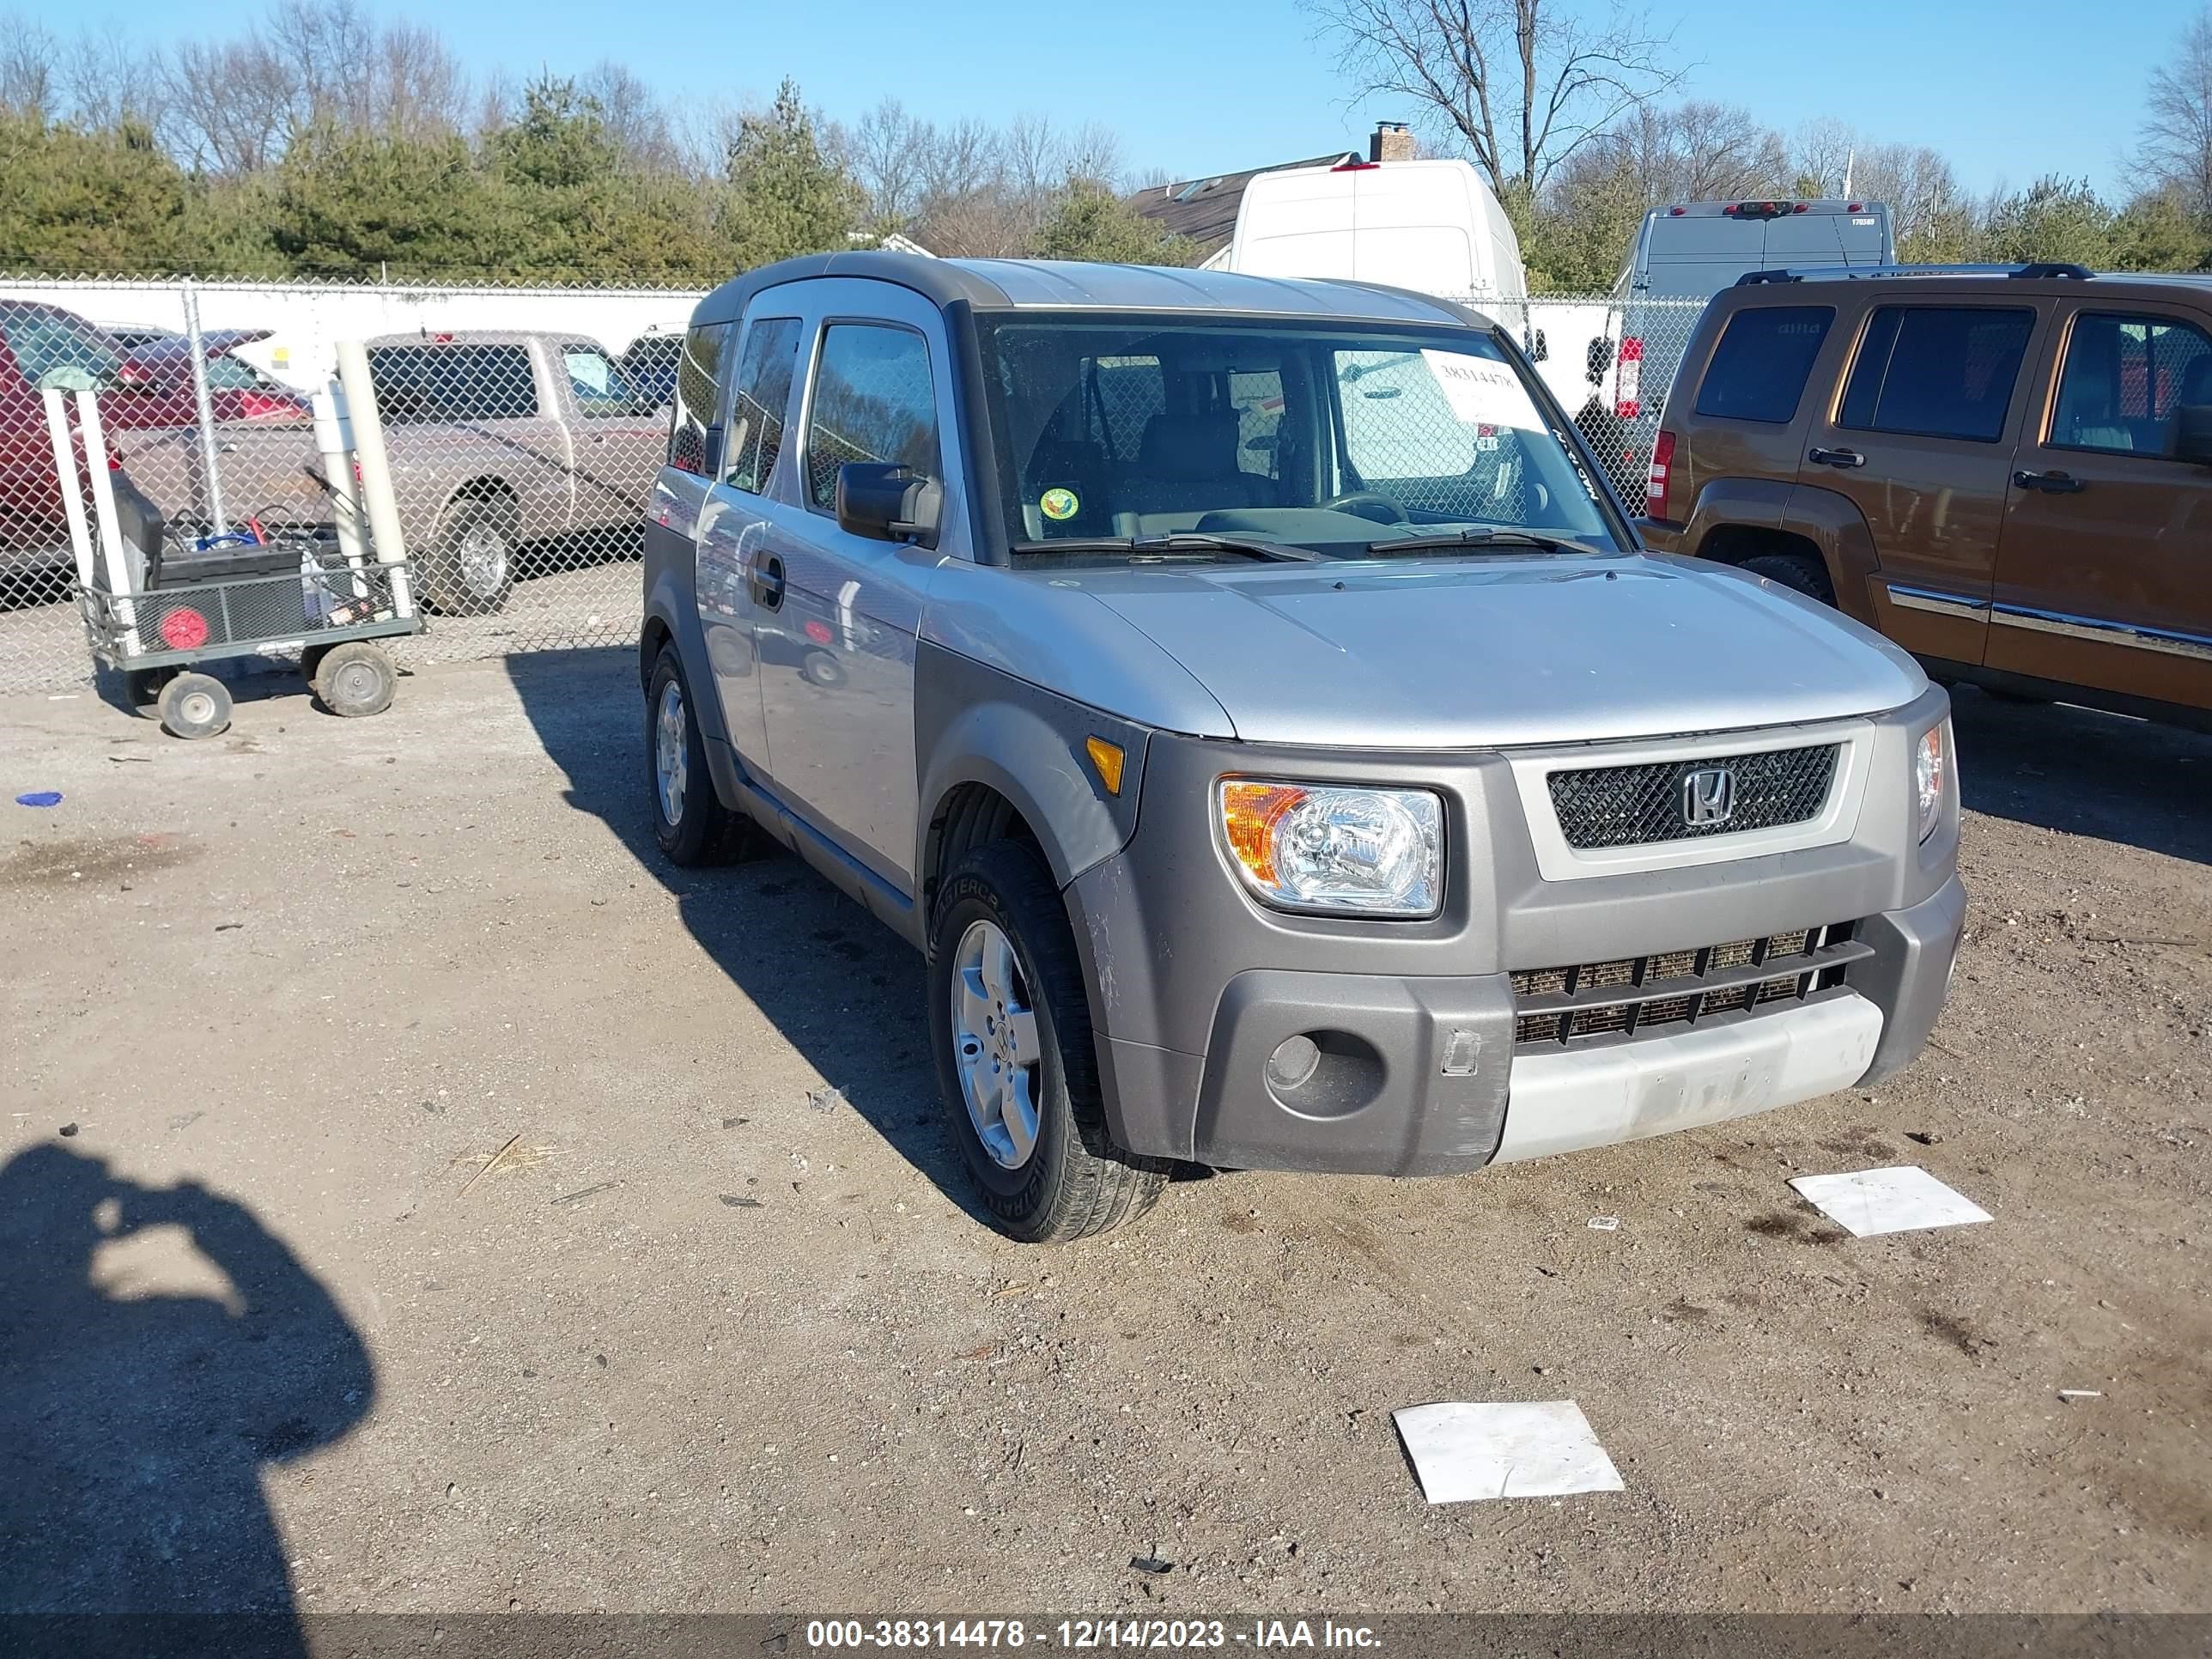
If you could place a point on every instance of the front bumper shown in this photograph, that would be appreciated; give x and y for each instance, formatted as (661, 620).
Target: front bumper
(1194, 988)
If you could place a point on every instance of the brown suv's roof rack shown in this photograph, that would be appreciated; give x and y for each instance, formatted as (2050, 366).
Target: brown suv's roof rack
(1829, 273)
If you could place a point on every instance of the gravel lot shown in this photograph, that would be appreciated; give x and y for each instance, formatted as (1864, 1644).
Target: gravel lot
(694, 1342)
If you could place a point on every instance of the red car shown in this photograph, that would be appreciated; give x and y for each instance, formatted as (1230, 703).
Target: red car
(147, 388)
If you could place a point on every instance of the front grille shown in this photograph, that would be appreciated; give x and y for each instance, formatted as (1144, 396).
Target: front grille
(1669, 990)
(1634, 805)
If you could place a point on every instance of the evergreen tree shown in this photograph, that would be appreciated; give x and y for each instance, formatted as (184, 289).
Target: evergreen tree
(787, 194)
(1090, 222)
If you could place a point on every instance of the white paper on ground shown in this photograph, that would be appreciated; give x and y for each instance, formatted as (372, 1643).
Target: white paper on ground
(1902, 1200)
(1464, 1452)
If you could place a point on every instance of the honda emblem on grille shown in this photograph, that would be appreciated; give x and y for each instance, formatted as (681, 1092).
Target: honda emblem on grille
(1708, 797)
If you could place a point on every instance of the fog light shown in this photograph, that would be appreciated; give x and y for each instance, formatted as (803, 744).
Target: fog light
(1294, 1060)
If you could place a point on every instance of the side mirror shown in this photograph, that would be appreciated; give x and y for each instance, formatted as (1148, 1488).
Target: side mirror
(1539, 347)
(889, 502)
(2192, 433)
(1597, 359)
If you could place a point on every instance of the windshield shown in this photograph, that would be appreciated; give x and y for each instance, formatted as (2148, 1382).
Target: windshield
(54, 344)
(1330, 439)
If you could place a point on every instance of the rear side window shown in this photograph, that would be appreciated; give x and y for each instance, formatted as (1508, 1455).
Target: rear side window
(1760, 368)
(763, 397)
(873, 401)
(698, 397)
(2124, 377)
(453, 382)
(1937, 371)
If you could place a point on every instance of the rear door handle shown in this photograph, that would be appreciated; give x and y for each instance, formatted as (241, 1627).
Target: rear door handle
(768, 583)
(2053, 483)
(1835, 457)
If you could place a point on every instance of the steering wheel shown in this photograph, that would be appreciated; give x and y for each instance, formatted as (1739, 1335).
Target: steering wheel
(1356, 499)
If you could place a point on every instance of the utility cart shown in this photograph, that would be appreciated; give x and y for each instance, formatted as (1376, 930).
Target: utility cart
(160, 613)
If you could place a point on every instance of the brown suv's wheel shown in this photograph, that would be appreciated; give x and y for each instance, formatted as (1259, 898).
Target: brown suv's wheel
(1799, 571)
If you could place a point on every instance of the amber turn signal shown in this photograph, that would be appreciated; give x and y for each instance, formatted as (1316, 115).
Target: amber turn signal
(1107, 757)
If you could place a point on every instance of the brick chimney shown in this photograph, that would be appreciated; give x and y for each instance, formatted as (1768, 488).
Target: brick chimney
(1392, 141)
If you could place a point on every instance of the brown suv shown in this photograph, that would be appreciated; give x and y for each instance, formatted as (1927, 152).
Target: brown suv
(2007, 471)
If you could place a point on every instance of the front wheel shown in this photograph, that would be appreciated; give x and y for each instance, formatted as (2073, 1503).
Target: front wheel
(195, 705)
(1010, 1026)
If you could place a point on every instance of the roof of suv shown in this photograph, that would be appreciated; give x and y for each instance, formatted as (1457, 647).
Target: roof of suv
(1016, 284)
(2037, 279)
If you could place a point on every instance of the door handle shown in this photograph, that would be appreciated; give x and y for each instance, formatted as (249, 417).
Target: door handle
(2052, 483)
(1835, 457)
(768, 583)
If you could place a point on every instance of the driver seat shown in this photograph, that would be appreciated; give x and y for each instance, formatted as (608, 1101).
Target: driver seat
(1187, 465)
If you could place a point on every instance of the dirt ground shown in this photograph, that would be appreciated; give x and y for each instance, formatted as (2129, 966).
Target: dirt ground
(700, 1339)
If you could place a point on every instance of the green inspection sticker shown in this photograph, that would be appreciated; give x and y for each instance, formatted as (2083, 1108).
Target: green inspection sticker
(1057, 504)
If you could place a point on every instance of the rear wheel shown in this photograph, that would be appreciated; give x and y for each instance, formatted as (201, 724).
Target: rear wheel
(689, 819)
(1010, 1028)
(470, 569)
(195, 705)
(1799, 572)
(356, 678)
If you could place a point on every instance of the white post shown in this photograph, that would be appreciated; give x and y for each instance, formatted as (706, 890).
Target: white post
(380, 505)
(334, 443)
(119, 580)
(65, 474)
(205, 405)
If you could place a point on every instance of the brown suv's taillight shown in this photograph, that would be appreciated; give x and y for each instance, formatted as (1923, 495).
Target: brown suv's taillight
(1662, 476)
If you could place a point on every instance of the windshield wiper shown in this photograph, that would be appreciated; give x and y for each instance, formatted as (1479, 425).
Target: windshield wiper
(1180, 541)
(1484, 537)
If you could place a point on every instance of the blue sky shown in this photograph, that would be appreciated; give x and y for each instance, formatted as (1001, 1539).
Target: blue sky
(2008, 89)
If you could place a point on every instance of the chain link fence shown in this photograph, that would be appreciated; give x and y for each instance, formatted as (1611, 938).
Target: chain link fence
(525, 427)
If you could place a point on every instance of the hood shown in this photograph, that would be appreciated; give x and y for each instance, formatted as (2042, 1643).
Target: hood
(1487, 654)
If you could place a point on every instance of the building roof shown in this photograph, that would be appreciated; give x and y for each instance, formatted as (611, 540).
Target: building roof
(1205, 210)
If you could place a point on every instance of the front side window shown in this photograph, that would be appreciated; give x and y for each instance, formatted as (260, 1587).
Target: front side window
(453, 382)
(2123, 378)
(1937, 371)
(1760, 368)
(873, 401)
(763, 398)
(698, 397)
(1329, 436)
(596, 384)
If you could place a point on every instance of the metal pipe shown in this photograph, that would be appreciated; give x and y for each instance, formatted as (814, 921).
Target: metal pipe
(379, 503)
(58, 428)
(220, 524)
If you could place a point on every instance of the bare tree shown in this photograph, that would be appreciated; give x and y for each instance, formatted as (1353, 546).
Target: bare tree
(1523, 84)
(633, 116)
(885, 149)
(27, 52)
(1695, 152)
(2176, 147)
(1823, 156)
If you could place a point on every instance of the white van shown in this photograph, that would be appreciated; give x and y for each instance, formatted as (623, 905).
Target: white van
(1433, 226)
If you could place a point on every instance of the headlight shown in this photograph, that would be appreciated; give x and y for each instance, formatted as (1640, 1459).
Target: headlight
(1316, 847)
(1931, 768)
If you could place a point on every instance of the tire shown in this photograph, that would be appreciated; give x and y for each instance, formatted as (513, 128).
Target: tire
(1070, 1181)
(692, 825)
(1799, 572)
(195, 705)
(355, 679)
(470, 569)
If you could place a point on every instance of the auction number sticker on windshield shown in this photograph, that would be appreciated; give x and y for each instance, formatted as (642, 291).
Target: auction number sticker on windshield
(1483, 391)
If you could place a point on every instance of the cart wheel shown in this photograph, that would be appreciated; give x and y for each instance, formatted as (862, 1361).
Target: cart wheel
(144, 687)
(356, 678)
(195, 705)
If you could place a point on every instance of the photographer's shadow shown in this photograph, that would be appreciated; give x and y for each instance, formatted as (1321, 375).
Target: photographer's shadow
(134, 1426)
